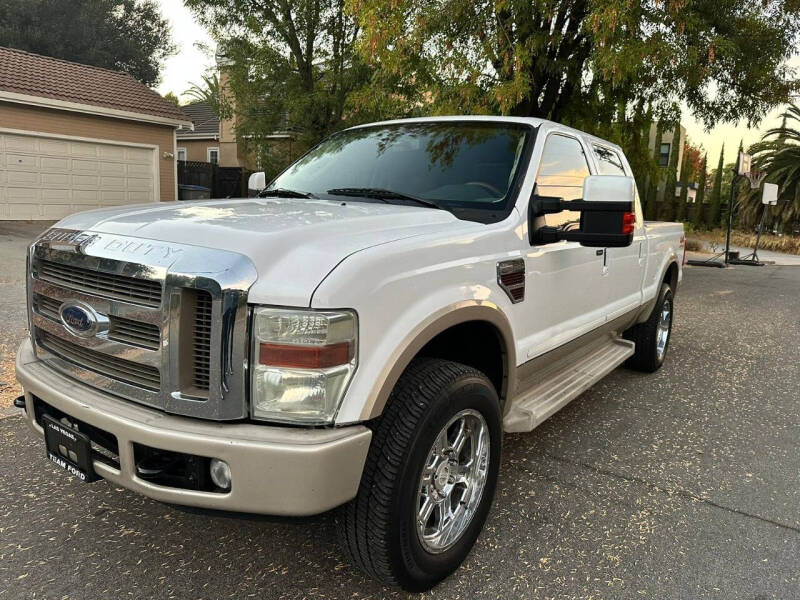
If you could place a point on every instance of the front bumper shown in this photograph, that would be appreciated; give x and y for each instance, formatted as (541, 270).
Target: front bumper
(275, 470)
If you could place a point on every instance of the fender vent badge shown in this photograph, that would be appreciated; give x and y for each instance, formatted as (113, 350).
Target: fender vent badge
(511, 277)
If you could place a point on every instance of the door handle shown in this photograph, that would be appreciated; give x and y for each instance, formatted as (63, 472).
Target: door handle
(641, 257)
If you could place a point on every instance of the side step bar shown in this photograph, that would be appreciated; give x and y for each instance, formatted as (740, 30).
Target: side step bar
(573, 375)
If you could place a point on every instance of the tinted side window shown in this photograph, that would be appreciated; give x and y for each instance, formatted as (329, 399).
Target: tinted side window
(563, 163)
(561, 173)
(608, 161)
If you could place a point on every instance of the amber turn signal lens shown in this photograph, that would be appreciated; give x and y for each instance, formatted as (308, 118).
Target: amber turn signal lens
(628, 221)
(305, 357)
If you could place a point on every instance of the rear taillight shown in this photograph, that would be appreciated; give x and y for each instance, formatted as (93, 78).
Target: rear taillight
(628, 221)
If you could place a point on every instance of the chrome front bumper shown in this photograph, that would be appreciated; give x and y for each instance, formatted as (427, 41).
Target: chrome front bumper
(275, 470)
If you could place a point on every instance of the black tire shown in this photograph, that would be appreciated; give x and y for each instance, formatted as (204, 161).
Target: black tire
(645, 335)
(378, 529)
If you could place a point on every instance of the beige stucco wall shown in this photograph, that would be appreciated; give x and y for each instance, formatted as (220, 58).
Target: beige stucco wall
(197, 149)
(666, 138)
(62, 122)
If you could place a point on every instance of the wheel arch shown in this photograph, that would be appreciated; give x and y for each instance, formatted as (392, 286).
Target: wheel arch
(438, 335)
(671, 275)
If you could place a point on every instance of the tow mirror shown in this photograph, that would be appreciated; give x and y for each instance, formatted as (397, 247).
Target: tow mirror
(607, 214)
(256, 182)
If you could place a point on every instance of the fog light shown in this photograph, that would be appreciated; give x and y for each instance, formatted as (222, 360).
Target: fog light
(220, 473)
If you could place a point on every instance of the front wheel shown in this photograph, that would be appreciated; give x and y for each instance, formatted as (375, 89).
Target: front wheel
(429, 479)
(652, 336)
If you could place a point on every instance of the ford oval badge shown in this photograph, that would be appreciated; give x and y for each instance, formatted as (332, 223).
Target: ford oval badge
(77, 319)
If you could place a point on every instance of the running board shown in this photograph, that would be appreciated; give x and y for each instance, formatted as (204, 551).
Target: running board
(557, 387)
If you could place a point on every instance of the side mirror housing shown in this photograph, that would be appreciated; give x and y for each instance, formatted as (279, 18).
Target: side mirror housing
(257, 182)
(607, 214)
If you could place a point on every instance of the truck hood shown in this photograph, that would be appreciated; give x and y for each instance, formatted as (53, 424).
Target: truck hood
(293, 243)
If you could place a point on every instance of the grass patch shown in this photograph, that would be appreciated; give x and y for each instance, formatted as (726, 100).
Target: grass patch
(787, 244)
(694, 245)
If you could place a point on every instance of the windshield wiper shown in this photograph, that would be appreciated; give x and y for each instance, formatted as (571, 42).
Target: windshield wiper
(285, 193)
(383, 194)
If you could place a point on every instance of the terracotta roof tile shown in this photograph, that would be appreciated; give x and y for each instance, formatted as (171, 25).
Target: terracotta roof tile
(34, 75)
(203, 117)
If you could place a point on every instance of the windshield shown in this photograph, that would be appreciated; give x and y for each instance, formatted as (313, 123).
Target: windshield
(460, 166)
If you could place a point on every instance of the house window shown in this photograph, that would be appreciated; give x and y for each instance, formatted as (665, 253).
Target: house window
(212, 154)
(181, 153)
(663, 155)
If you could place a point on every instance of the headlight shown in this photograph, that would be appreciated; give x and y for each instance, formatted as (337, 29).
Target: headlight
(302, 361)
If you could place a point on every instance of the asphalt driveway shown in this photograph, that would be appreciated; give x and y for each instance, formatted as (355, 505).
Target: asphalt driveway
(681, 484)
(14, 239)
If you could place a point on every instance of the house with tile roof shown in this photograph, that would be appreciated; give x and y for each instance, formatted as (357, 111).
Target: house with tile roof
(75, 137)
(220, 141)
(202, 142)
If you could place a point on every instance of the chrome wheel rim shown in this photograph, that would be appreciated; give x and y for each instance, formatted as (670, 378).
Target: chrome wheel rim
(662, 332)
(452, 481)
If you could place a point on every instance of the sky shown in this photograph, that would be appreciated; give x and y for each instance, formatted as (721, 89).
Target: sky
(730, 133)
(191, 63)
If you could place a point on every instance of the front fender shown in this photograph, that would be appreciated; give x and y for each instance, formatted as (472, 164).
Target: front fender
(407, 292)
(424, 332)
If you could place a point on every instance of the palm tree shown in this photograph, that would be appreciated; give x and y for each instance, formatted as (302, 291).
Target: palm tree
(778, 153)
(208, 91)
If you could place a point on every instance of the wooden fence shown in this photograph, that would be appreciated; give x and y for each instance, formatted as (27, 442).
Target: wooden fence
(223, 182)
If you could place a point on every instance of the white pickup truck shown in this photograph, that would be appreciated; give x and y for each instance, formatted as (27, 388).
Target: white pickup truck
(359, 335)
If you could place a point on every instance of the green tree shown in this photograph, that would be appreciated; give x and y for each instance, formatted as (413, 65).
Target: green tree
(210, 92)
(668, 209)
(697, 216)
(778, 153)
(686, 169)
(651, 206)
(291, 65)
(716, 192)
(124, 35)
(573, 59)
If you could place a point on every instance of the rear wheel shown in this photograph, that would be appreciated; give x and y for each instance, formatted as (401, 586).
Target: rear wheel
(429, 479)
(652, 336)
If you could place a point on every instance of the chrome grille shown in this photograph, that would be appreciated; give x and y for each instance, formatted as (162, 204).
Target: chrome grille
(168, 322)
(48, 307)
(201, 346)
(135, 333)
(111, 366)
(107, 285)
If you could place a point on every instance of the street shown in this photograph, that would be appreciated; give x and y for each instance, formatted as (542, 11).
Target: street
(680, 484)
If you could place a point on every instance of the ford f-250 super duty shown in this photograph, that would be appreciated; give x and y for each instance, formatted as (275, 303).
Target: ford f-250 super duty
(359, 335)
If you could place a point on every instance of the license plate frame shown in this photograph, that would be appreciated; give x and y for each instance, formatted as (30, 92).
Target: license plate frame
(69, 449)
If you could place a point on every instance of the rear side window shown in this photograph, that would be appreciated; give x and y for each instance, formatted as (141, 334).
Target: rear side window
(561, 173)
(608, 161)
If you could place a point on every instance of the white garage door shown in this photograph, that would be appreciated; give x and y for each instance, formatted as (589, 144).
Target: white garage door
(48, 178)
